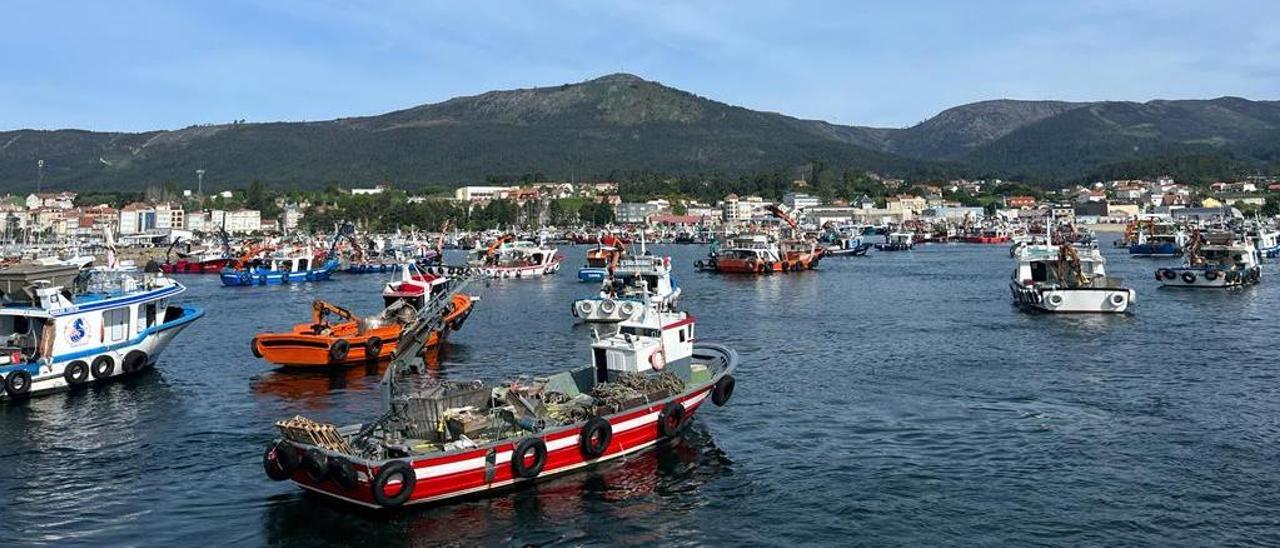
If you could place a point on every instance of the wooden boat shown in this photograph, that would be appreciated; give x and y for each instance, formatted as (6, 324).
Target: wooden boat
(437, 441)
(355, 340)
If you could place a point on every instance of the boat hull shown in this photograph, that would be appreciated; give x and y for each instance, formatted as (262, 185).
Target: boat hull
(1205, 278)
(372, 268)
(1167, 249)
(592, 274)
(245, 278)
(498, 272)
(183, 266)
(1073, 300)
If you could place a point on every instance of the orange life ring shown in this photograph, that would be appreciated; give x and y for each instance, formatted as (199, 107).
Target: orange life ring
(657, 361)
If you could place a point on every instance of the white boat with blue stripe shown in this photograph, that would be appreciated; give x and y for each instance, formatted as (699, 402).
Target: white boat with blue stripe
(60, 330)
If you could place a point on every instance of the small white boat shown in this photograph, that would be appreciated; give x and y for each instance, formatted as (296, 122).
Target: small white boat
(1214, 260)
(102, 325)
(1066, 278)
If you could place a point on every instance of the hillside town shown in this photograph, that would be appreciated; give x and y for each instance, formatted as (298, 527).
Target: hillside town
(61, 216)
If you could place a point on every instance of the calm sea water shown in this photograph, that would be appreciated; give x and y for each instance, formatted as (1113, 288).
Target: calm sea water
(897, 399)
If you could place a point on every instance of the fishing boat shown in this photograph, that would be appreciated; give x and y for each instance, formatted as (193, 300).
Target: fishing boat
(990, 235)
(600, 258)
(1152, 239)
(897, 241)
(294, 266)
(1066, 279)
(64, 328)
(1214, 260)
(436, 440)
(204, 260)
(844, 245)
(758, 253)
(508, 257)
(637, 283)
(284, 268)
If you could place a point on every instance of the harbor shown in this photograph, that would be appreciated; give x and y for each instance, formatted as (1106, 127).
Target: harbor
(928, 402)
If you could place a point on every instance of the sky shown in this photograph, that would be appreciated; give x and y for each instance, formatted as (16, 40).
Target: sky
(125, 65)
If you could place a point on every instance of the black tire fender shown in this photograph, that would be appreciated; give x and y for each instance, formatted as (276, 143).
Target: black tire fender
(373, 348)
(342, 472)
(519, 468)
(723, 390)
(595, 437)
(18, 383)
(134, 361)
(670, 419)
(103, 366)
(76, 373)
(275, 464)
(338, 350)
(316, 464)
(393, 470)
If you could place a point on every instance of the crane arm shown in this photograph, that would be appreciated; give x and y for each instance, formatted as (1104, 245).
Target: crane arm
(779, 213)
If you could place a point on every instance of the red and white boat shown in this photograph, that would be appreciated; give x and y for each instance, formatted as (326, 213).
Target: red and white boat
(437, 441)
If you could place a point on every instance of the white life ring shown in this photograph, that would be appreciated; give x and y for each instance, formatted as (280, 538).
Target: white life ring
(657, 360)
(585, 308)
(608, 306)
(628, 308)
(1117, 299)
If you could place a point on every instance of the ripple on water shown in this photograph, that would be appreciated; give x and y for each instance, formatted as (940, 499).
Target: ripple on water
(893, 399)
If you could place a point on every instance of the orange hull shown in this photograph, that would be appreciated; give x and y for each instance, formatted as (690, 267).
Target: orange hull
(794, 262)
(305, 347)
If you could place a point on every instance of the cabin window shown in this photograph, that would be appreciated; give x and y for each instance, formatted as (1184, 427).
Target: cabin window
(151, 314)
(140, 322)
(302, 264)
(684, 336)
(1039, 272)
(116, 324)
(602, 365)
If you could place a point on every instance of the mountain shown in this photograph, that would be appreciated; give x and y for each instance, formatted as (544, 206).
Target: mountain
(617, 122)
(620, 123)
(1097, 134)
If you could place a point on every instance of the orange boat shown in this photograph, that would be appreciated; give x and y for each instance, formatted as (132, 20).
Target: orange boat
(355, 340)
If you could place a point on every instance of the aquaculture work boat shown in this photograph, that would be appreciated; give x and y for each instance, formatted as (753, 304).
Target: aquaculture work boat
(354, 340)
(504, 258)
(207, 260)
(295, 267)
(845, 245)
(637, 283)
(1153, 239)
(1214, 260)
(897, 241)
(60, 328)
(438, 440)
(1066, 279)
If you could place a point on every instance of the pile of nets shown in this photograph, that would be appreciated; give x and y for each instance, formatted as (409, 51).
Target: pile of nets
(633, 387)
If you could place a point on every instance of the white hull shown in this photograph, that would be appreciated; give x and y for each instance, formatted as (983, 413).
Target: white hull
(1073, 301)
(1200, 278)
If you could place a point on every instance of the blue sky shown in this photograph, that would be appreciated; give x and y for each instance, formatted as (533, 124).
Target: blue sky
(138, 65)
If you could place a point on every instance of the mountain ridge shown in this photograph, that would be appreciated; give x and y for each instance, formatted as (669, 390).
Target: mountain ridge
(620, 122)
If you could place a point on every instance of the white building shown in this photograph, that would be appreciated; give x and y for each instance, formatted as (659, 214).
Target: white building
(239, 221)
(369, 191)
(799, 201)
(481, 193)
(292, 216)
